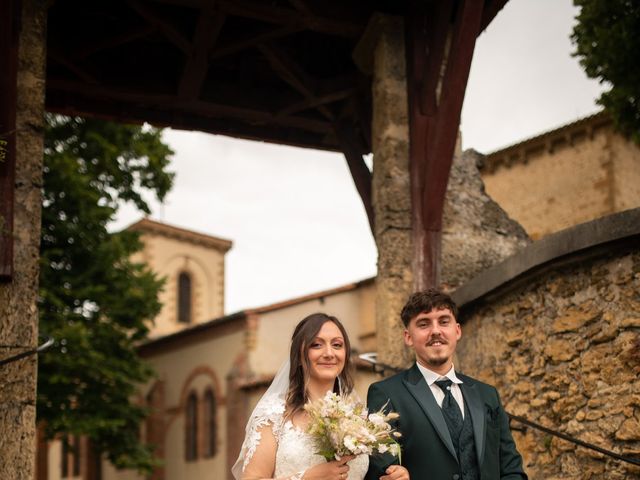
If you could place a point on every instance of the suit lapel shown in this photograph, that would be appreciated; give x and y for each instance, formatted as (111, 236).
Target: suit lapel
(475, 404)
(418, 388)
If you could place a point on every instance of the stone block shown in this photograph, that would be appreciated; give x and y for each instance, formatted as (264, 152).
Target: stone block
(572, 321)
(17, 442)
(629, 430)
(630, 322)
(560, 350)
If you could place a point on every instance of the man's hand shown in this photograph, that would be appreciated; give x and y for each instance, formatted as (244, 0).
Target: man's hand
(395, 472)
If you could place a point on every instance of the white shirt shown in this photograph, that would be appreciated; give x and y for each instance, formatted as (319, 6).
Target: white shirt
(431, 378)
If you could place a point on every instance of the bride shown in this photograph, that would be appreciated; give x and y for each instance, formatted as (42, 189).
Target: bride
(276, 445)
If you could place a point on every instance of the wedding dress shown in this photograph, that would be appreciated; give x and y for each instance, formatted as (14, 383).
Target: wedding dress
(295, 451)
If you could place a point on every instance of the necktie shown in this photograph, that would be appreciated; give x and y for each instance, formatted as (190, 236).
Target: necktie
(451, 411)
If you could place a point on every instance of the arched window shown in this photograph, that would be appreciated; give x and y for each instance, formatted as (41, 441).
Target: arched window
(209, 424)
(70, 461)
(184, 298)
(191, 428)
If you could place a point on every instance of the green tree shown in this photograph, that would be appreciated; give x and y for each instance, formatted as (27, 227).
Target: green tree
(94, 300)
(607, 41)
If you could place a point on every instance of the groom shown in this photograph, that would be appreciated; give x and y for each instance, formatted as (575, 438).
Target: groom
(453, 426)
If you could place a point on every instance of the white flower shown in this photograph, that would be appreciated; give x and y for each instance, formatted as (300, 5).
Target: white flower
(382, 447)
(376, 419)
(394, 449)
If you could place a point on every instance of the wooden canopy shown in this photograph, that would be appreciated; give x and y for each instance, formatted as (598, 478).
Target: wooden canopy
(273, 70)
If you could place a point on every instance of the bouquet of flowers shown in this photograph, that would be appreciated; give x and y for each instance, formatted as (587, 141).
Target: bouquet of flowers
(342, 426)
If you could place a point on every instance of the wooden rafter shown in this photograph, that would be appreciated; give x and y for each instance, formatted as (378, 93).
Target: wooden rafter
(167, 29)
(289, 71)
(62, 59)
(208, 29)
(194, 59)
(302, 6)
(291, 17)
(352, 147)
(362, 111)
(253, 41)
(169, 117)
(491, 9)
(89, 49)
(181, 3)
(207, 109)
(316, 101)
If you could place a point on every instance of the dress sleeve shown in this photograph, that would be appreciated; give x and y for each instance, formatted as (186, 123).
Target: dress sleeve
(258, 454)
(262, 464)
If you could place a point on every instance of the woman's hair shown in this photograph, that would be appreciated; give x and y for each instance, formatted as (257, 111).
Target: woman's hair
(303, 336)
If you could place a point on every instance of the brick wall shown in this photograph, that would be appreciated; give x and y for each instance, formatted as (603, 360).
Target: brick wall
(568, 176)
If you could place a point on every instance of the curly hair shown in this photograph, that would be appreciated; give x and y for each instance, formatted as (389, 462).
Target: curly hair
(426, 301)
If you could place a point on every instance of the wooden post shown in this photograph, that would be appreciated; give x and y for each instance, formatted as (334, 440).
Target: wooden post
(440, 38)
(9, 22)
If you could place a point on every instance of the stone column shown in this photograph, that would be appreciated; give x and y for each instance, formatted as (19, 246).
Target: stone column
(381, 53)
(18, 311)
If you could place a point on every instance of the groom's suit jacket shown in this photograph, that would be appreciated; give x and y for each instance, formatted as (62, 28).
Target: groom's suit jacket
(427, 449)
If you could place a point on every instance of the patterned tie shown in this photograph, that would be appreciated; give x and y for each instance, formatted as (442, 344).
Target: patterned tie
(451, 411)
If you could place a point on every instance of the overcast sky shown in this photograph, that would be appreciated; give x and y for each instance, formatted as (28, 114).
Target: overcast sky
(294, 216)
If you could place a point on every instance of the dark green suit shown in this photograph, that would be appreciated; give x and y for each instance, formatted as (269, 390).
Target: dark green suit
(427, 449)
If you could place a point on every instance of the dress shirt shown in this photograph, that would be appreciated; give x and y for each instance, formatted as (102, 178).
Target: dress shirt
(431, 377)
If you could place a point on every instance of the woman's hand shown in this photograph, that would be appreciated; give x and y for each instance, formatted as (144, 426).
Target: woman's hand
(334, 470)
(395, 472)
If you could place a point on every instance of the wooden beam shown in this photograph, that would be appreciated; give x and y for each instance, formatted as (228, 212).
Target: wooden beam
(266, 12)
(56, 55)
(352, 147)
(362, 110)
(436, 30)
(89, 49)
(316, 102)
(182, 3)
(9, 29)
(253, 41)
(199, 107)
(491, 9)
(289, 71)
(167, 29)
(302, 6)
(438, 62)
(74, 104)
(442, 139)
(208, 29)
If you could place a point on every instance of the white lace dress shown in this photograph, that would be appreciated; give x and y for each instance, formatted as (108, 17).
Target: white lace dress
(295, 452)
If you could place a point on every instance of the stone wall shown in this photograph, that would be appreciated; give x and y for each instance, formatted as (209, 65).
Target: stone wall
(562, 345)
(477, 233)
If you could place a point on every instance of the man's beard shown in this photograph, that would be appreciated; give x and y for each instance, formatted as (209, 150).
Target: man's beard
(437, 362)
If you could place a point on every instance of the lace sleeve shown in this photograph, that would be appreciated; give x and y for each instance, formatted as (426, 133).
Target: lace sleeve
(269, 411)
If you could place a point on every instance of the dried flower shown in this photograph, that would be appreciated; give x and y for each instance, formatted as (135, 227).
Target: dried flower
(342, 426)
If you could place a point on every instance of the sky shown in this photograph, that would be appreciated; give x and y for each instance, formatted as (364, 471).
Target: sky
(294, 216)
